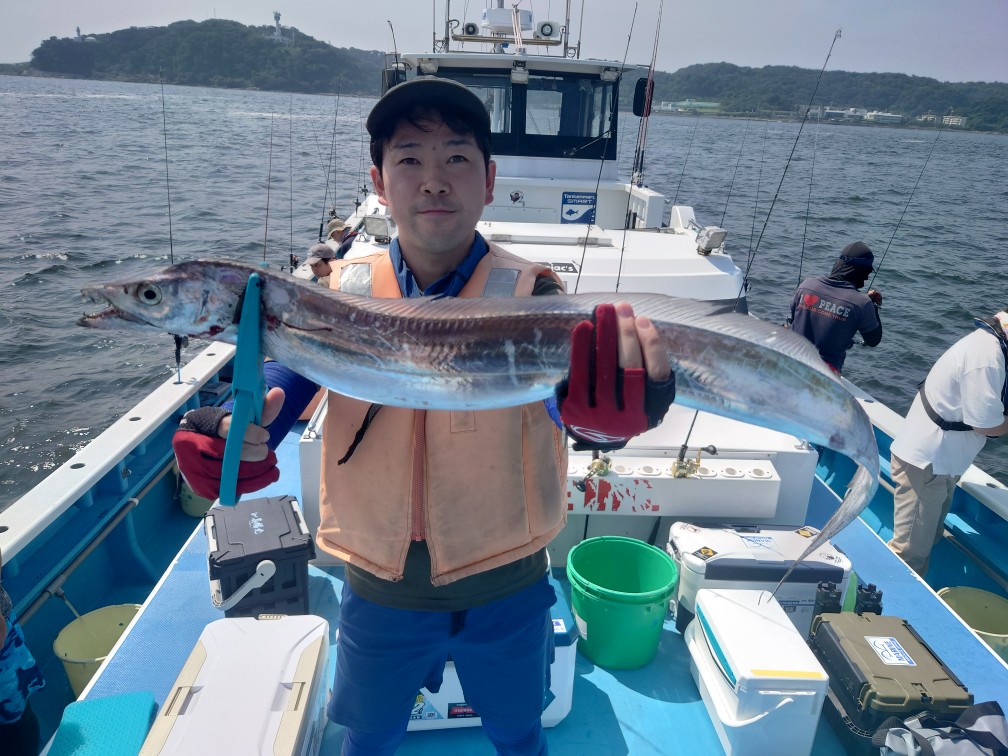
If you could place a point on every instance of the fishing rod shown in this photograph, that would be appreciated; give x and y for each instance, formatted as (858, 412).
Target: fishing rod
(361, 167)
(290, 176)
(269, 180)
(759, 183)
(696, 122)
(637, 172)
(613, 113)
(164, 131)
(332, 153)
(808, 202)
(745, 277)
(180, 341)
(877, 267)
(738, 160)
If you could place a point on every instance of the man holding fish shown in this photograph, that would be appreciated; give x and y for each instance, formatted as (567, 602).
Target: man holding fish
(443, 516)
(472, 381)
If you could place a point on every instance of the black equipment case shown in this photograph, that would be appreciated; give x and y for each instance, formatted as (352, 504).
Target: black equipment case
(254, 530)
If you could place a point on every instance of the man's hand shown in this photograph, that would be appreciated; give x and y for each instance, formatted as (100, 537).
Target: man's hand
(875, 296)
(199, 448)
(620, 382)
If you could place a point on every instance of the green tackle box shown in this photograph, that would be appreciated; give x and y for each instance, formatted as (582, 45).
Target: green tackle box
(879, 667)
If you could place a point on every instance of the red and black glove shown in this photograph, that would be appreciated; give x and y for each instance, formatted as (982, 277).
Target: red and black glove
(603, 405)
(200, 454)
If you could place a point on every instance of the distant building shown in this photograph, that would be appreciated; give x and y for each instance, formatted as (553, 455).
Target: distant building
(691, 106)
(877, 117)
(954, 120)
(927, 118)
(848, 114)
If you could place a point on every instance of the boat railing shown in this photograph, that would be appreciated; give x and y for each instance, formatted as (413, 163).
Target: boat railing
(103, 465)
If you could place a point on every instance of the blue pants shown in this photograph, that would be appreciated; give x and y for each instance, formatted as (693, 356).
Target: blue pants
(501, 650)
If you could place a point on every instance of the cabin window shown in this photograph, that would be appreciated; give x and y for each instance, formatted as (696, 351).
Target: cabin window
(553, 115)
(567, 107)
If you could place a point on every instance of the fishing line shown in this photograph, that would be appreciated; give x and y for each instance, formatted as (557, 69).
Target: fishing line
(696, 122)
(738, 160)
(808, 202)
(637, 173)
(361, 180)
(180, 341)
(759, 183)
(269, 178)
(164, 129)
(788, 163)
(290, 176)
(877, 267)
(332, 157)
(613, 113)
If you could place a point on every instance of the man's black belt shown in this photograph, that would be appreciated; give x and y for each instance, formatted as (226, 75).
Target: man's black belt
(937, 419)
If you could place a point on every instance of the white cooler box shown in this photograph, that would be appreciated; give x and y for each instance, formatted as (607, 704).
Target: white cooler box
(448, 707)
(754, 558)
(762, 685)
(250, 686)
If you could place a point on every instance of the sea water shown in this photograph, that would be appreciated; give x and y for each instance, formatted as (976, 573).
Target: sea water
(84, 197)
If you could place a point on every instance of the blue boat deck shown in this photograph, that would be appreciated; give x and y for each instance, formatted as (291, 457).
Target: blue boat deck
(653, 710)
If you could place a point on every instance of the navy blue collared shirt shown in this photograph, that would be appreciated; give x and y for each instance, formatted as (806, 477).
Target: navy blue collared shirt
(450, 284)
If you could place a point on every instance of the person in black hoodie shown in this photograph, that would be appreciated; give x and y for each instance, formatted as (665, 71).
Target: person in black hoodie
(829, 310)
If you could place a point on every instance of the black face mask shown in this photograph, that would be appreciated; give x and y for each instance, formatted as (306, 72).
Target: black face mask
(844, 270)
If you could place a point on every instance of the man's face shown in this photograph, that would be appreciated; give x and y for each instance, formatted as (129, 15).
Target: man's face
(321, 268)
(435, 185)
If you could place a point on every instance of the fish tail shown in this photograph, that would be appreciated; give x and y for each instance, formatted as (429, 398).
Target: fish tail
(859, 493)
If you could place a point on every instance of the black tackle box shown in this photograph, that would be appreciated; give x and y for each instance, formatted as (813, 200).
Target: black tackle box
(879, 667)
(240, 537)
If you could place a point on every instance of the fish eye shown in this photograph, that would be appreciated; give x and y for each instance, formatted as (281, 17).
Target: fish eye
(149, 293)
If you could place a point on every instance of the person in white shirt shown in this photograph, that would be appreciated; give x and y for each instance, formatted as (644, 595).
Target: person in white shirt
(962, 402)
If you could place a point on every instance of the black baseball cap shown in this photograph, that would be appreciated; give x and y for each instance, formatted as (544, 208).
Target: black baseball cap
(427, 90)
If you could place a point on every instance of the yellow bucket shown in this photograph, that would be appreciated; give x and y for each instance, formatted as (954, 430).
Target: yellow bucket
(83, 644)
(985, 612)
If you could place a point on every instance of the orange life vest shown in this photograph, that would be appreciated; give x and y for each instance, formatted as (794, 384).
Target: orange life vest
(483, 488)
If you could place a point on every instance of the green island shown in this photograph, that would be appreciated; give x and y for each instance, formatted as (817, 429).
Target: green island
(221, 53)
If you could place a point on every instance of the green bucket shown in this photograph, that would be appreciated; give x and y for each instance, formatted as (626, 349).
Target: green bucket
(620, 588)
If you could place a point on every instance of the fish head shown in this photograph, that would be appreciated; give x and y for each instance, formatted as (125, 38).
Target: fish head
(189, 299)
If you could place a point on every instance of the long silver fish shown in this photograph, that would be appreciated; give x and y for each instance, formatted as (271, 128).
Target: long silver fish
(485, 353)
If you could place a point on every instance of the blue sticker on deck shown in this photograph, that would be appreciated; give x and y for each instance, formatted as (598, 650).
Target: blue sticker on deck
(577, 207)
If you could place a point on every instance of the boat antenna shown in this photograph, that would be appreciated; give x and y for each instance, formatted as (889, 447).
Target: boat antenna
(613, 113)
(577, 50)
(766, 220)
(808, 202)
(875, 273)
(180, 341)
(738, 160)
(269, 178)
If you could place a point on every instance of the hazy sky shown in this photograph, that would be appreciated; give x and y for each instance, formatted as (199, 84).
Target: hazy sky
(949, 40)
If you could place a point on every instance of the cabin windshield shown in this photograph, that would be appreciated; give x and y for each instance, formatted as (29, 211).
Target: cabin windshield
(552, 115)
